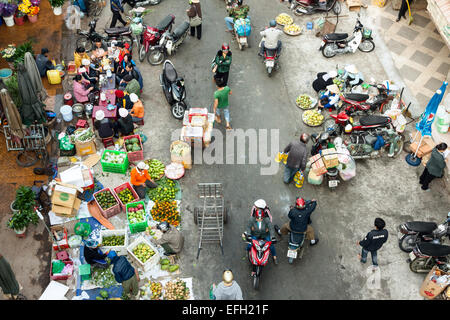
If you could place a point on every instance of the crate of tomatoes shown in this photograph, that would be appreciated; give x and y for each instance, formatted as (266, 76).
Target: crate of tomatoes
(126, 194)
(107, 202)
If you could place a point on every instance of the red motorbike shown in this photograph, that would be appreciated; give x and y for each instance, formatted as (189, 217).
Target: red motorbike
(343, 122)
(258, 256)
(151, 35)
(359, 104)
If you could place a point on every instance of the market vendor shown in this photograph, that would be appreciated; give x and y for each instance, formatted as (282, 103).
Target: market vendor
(137, 112)
(172, 240)
(79, 55)
(104, 125)
(140, 179)
(125, 274)
(43, 63)
(93, 255)
(131, 85)
(81, 89)
(352, 76)
(100, 49)
(330, 98)
(88, 73)
(125, 123)
(133, 71)
(323, 80)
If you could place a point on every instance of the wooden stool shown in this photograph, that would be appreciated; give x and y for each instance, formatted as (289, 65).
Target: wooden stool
(107, 142)
(81, 124)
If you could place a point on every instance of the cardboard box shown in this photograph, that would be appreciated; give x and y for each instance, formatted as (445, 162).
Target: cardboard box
(429, 288)
(197, 112)
(64, 199)
(426, 146)
(84, 148)
(317, 165)
(199, 121)
(191, 134)
(354, 5)
(330, 158)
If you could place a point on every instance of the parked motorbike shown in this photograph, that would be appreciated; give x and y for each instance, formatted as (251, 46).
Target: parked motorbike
(426, 255)
(301, 7)
(334, 43)
(137, 27)
(343, 122)
(362, 104)
(86, 39)
(134, 3)
(174, 90)
(169, 44)
(152, 35)
(320, 141)
(413, 232)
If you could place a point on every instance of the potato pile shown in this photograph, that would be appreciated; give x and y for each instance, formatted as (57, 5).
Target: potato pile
(176, 290)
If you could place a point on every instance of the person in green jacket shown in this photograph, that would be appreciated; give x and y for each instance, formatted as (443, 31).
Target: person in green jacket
(222, 63)
(435, 166)
(131, 85)
(8, 282)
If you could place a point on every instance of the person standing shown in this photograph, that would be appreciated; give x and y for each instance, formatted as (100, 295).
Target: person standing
(373, 241)
(221, 103)
(228, 289)
(8, 282)
(116, 9)
(171, 240)
(140, 179)
(403, 9)
(222, 64)
(297, 156)
(195, 18)
(125, 274)
(435, 166)
(43, 63)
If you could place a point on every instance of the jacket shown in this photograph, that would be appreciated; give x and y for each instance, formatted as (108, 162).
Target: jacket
(125, 125)
(194, 10)
(271, 37)
(173, 238)
(298, 155)
(139, 178)
(374, 240)
(301, 217)
(223, 292)
(93, 254)
(332, 98)
(122, 269)
(77, 57)
(79, 92)
(262, 232)
(116, 5)
(223, 64)
(43, 64)
(133, 87)
(125, 102)
(104, 127)
(436, 164)
(138, 110)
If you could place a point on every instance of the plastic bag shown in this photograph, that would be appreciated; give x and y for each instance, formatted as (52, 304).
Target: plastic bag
(75, 241)
(380, 143)
(83, 229)
(314, 179)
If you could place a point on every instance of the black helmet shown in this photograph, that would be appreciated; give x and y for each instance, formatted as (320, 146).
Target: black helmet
(273, 23)
(163, 226)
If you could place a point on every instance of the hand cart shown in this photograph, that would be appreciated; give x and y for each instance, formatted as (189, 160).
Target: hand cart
(212, 216)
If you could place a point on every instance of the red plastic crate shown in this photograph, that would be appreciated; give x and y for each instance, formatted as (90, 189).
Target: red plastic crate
(111, 212)
(65, 277)
(63, 243)
(136, 155)
(124, 186)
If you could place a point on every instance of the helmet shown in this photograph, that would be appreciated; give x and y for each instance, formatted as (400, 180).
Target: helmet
(348, 128)
(239, 2)
(300, 203)
(272, 23)
(225, 46)
(91, 243)
(259, 213)
(163, 226)
(227, 276)
(260, 203)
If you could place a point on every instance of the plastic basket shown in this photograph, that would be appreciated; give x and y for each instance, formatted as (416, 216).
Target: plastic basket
(114, 167)
(61, 277)
(140, 226)
(124, 186)
(121, 250)
(150, 263)
(135, 155)
(110, 212)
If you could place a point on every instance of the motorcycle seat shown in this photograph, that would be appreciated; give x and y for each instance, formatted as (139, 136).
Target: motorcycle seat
(180, 30)
(336, 36)
(422, 227)
(270, 52)
(118, 30)
(164, 23)
(433, 249)
(296, 238)
(171, 73)
(356, 96)
(373, 120)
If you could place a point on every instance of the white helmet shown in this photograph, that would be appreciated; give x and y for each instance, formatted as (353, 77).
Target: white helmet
(99, 115)
(348, 128)
(260, 203)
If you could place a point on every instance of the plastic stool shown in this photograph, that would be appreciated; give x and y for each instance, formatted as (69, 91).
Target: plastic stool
(81, 124)
(107, 142)
(140, 123)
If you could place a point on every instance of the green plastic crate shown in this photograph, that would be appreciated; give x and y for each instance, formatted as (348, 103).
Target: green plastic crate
(136, 227)
(85, 272)
(113, 167)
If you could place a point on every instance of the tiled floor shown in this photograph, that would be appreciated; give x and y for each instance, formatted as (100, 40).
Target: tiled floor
(418, 51)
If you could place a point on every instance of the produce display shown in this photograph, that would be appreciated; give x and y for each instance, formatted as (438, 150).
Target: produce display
(339, 82)
(304, 101)
(156, 169)
(126, 196)
(165, 265)
(174, 170)
(166, 211)
(136, 214)
(113, 241)
(176, 290)
(143, 252)
(284, 19)
(165, 191)
(180, 149)
(152, 290)
(103, 278)
(312, 118)
(133, 145)
(82, 135)
(292, 29)
(114, 157)
(105, 199)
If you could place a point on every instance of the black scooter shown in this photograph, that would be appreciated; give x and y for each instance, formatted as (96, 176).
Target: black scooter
(174, 89)
(135, 3)
(301, 7)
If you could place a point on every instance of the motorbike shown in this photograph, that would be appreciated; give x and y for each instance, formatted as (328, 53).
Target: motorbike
(270, 60)
(86, 39)
(334, 43)
(258, 256)
(151, 36)
(241, 32)
(174, 90)
(168, 44)
(413, 232)
(301, 7)
(320, 141)
(137, 27)
(426, 255)
(134, 3)
(361, 104)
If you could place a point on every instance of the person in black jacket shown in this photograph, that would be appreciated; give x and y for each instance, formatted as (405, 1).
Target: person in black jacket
(323, 80)
(104, 125)
(125, 123)
(373, 241)
(125, 274)
(93, 255)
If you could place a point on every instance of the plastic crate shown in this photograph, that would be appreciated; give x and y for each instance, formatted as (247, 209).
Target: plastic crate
(136, 227)
(121, 250)
(135, 155)
(110, 212)
(61, 277)
(63, 243)
(126, 185)
(150, 263)
(114, 167)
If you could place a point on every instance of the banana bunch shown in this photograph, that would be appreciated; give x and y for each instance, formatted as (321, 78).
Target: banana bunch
(292, 28)
(284, 19)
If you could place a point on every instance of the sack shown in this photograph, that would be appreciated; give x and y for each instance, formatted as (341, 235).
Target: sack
(195, 21)
(379, 143)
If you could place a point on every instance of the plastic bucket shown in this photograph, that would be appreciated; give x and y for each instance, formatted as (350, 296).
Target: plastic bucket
(66, 112)
(5, 73)
(442, 128)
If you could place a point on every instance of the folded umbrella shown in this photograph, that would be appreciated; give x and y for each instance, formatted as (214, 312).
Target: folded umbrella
(12, 114)
(35, 77)
(32, 109)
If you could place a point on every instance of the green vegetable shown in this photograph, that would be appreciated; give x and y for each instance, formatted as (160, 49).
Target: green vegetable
(104, 294)
(98, 298)
(164, 261)
(165, 191)
(135, 148)
(165, 267)
(173, 267)
(134, 140)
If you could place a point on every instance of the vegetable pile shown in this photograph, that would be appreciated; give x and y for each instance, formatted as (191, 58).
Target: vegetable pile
(136, 214)
(304, 101)
(103, 278)
(312, 118)
(165, 191)
(105, 199)
(166, 211)
(133, 145)
(180, 149)
(292, 28)
(113, 241)
(82, 135)
(126, 196)
(116, 158)
(174, 170)
(143, 252)
(156, 169)
(151, 291)
(176, 290)
(165, 265)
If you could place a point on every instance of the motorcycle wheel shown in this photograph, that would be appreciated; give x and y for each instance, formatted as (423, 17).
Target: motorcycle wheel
(297, 12)
(142, 53)
(155, 57)
(366, 45)
(291, 260)
(178, 110)
(337, 7)
(407, 243)
(255, 282)
(418, 266)
(85, 43)
(269, 72)
(328, 50)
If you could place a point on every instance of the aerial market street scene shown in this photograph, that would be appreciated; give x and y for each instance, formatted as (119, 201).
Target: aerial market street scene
(224, 150)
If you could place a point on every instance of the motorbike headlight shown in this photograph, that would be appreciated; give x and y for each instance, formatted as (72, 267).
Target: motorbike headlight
(182, 82)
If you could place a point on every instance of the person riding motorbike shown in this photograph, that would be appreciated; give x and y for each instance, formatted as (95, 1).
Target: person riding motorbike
(261, 204)
(271, 39)
(260, 227)
(300, 217)
(239, 12)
